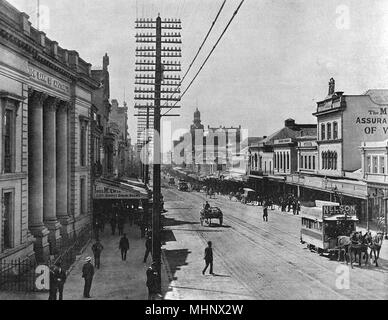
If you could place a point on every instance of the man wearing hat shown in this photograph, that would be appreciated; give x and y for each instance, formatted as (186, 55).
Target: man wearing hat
(87, 274)
(97, 249)
(60, 279)
(152, 282)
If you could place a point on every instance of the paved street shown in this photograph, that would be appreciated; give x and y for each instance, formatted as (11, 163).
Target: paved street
(253, 259)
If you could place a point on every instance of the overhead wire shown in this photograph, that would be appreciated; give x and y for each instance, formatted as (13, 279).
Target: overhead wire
(199, 50)
(209, 55)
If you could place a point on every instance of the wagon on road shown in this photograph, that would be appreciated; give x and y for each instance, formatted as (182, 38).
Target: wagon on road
(209, 214)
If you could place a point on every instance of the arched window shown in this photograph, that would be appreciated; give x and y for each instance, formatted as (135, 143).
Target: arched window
(255, 160)
(335, 130)
(324, 157)
(329, 131)
(260, 162)
(278, 161)
(323, 160)
(329, 160)
(335, 161)
(284, 161)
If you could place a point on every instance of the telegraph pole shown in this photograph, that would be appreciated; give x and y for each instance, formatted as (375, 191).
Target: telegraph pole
(162, 91)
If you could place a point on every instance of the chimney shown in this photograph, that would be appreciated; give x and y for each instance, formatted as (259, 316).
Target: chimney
(73, 59)
(25, 25)
(54, 48)
(66, 57)
(89, 67)
(289, 123)
(42, 38)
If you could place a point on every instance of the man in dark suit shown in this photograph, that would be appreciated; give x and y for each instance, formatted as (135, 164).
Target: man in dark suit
(148, 245)
(60, 279)
(97, 249)
(124, 247)
(208, 258)
(87, 274)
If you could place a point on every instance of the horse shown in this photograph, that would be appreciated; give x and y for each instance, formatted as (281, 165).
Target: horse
(358, 246)
(375, 242)
(343, 243)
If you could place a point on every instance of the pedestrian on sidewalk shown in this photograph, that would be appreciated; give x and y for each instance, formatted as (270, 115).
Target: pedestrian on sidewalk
(97, 249)
(208, 258)
(298, 207)
(113, 222)
(121, 223)
(124, 247)
(148, 245)
(265, 212)
(60, 279)
(87, 274)
(152, 282)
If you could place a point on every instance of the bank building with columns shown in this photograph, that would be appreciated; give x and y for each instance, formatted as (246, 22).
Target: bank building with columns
(45, 110)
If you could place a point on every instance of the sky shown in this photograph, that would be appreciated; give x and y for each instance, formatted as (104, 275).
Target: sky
(273, 63)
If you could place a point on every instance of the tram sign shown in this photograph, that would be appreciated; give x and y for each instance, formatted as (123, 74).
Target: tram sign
(347, 210)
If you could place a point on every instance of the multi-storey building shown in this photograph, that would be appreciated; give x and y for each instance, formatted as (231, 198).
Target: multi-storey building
(46, 103)
(119, 119)
(102, 140)
(374, 157)
(275, 157)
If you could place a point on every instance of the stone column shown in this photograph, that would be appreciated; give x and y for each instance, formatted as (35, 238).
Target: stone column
(62, 171)
(35, 174)
(49, 172)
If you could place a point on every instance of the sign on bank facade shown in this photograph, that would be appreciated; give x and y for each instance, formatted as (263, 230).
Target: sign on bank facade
(48, 80)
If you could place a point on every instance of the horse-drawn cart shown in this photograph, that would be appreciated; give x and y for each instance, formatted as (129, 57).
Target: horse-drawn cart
(206, 215)
(321, 227)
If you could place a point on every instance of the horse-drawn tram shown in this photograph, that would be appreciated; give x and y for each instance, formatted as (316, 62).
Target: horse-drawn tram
(321, 226)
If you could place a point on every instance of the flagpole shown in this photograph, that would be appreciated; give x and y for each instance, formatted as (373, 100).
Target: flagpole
(37, 14)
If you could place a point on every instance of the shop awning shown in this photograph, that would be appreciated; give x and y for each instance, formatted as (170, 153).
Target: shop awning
(119, 190)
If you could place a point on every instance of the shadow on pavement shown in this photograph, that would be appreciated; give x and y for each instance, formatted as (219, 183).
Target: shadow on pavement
(176, 259)
(167, 236)
(221, 275)
(168, 222)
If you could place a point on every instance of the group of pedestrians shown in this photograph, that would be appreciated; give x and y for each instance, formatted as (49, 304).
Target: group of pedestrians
(57, 281)
(288, 203)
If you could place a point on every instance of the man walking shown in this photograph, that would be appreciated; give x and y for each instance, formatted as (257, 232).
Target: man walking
(265, 212)
(120, 225)
(208, 258)
(97, 249)
(87, 274)
(113, 222)
(60, 279)
(152, 282)
(148, 245)
(124, 247)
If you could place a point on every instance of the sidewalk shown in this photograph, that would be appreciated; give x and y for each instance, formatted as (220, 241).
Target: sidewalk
(116, 279)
